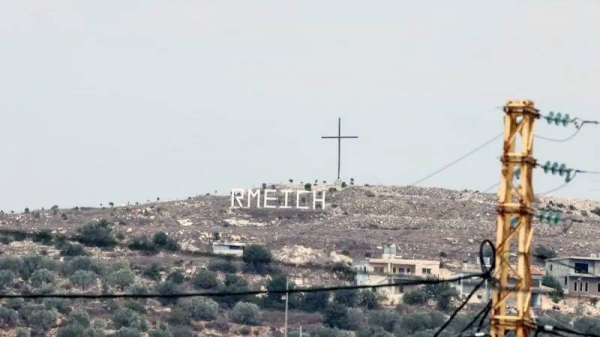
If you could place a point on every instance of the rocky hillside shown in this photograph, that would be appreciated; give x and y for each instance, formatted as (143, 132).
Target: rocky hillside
(357, 221)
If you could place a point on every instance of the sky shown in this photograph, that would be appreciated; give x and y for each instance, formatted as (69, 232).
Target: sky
(125, 101)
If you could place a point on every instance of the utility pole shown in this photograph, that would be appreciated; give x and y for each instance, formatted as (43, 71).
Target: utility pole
(287, 295)
(514, 222)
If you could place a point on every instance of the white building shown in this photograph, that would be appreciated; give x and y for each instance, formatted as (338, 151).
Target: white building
(229, 248)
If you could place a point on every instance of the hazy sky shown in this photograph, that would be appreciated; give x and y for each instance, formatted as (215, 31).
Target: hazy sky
(132, 100)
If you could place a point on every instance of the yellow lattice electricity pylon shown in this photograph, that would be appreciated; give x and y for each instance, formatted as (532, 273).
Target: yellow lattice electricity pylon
(513, 242)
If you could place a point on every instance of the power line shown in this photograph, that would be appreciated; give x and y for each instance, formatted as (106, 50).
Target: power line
(243, 293)
(550, 329)
(457, 160)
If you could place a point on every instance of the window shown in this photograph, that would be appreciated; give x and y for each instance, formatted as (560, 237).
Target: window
(586, 287)
(408, 271)
(394, 270)
(399, 289)
(581, 286)
(574, 286)
(599, 287)
(378, 270)
(550, 267)
(581, 268)
(426, 271)
(401, 271)
(566, 281)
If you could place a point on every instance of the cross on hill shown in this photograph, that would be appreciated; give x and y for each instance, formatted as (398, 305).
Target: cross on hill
(339, 138)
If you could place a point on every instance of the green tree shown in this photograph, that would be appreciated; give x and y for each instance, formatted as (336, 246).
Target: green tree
(42, 320)
(200, 308)
(543, 253)
(79, 317)
(125, 317)
(22, 332)
(84, 263)
(369, 300)
(347, 297)
(8, 317)
(176, 276)
(205, 279)
(160, 238)
(167, 288)
(41, 277)
(308, 186)
(233, 284)
(152, 272)
(316, 301)
(383, 318)
(128, 332)
(336, 316)
(71, 331)
(96, 233)
(83, 279)
(274, 299)
(246, 313)
(558, 293)
(121, 278)
(257, 258)
(415, 297)
(224, 266)
(7, 278)
(356, 319)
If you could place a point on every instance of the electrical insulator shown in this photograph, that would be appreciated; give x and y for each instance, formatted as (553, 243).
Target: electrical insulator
(514, 222)
(550, 217)
(517, 172)
(558, 118)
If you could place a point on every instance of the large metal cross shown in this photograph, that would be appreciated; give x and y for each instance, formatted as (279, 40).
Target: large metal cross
(339, 137)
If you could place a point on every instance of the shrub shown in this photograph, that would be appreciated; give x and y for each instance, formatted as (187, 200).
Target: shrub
(61, 305)
(6, 239)
(356, 319)
(127, 318)
(343, 271)
(79, 317)
(419, 321)
(121, 278)
(316, 301)
(200, 308)
(128, 332)
(84, 263)
(135, 305)
(160, 333)
(552, 282)
(369, 300)
(373, 331)
(160, 238)
(327, 332)
(308, 186)
(596, 211)
(14, 264)
(73, 250)
(96, 233)
(144, 244)
(205, 279)
(34, 262)
(233, 284)
(83, 279)
(41, 277)
(21, 332)
(273, 299)
(7, 278)
(8, 318)
(152, 272)
(44, 236)
(176, 276)
(138, 289)
(347, 297)
(224, 266)
(182, 331)
(167, 288)
(42, 320)
(543, 253)
(256, 258)
(246, 313)
(336, 316)
(71, 331)
(385, 319)
(415, 297)
(120, 265)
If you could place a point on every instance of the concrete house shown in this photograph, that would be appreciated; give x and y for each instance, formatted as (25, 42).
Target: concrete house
(579, 276)
(390, 269)
(229, 248)
(484, 294)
